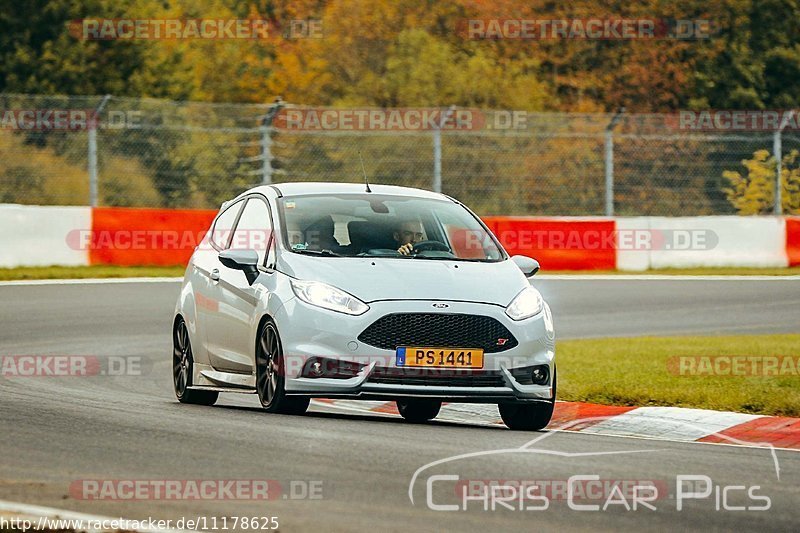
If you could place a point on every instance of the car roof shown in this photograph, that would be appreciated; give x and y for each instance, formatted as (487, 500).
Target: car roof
(310, 187)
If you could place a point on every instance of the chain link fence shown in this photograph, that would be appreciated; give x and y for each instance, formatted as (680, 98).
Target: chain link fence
(111, 151)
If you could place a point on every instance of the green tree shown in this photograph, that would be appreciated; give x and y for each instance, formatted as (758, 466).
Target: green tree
(753, 60)
(39, 55)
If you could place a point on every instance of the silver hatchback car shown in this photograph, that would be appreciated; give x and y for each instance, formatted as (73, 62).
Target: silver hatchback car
(327, 290)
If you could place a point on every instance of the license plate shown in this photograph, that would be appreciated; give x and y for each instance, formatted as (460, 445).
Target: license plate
(440, 357)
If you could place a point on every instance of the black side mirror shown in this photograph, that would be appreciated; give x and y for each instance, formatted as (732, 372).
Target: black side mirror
(244, 260)
(528, 265)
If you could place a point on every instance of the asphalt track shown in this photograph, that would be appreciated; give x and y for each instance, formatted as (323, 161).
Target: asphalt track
(56, 431)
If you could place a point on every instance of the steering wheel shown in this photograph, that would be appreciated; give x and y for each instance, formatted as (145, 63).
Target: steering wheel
(430, 246)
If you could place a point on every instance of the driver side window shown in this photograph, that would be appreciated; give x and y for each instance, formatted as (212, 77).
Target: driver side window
(467, 243)
(254, 230)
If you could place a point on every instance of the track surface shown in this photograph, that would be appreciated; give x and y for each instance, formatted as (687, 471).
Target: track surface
(59, 430)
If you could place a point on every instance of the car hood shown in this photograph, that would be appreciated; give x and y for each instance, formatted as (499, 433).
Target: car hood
(379, 278)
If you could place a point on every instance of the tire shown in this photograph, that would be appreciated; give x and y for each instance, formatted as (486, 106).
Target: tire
(270, 381)
(182, 368)
(418, 411)
(529, 416)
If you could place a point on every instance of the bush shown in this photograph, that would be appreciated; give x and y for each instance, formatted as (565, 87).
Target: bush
(42, 176)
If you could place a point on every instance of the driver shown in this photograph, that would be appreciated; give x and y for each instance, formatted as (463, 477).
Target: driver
(408, 233)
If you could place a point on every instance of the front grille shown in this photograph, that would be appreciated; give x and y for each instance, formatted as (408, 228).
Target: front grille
(438, 330)
(436, 377)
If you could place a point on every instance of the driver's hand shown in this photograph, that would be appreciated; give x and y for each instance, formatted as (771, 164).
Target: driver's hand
(406, 249)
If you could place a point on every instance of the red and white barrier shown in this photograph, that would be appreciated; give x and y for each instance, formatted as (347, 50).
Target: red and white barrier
(714, 241)
(559, 243)
(32, 235)
(38, 236)
(793, 240)
(134, 236)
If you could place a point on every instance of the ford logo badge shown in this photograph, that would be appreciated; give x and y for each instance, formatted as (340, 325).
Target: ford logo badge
(441, 306)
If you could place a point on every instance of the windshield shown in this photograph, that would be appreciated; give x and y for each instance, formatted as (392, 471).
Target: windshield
(373, 225)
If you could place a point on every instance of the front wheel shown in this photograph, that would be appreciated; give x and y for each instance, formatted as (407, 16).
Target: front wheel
(529, 416)
(526, 416)
(182, 367)
(270, 375)
(417, 411)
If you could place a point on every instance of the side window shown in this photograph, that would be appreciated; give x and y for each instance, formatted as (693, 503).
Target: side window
(254, 229)
(221, 231)
(465, 242)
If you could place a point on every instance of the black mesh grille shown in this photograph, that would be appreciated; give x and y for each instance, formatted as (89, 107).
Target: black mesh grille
(437, 330)
(436, 377)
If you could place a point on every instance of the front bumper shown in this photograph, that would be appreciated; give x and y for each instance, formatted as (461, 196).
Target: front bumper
(308, 331)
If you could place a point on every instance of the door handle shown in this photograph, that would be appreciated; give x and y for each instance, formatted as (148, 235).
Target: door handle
(215, 274)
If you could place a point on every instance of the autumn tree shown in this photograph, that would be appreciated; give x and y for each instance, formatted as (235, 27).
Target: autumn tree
(753, 192)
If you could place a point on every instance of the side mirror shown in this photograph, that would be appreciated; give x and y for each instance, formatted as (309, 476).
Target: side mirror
(244, 260)
(528, 265)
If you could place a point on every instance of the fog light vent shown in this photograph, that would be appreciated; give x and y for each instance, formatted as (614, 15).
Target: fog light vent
(323, 367)
(540, 375)
(532, 375)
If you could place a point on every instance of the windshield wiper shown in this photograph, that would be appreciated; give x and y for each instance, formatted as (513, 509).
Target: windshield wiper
(326, 253)
(442, 258)
(451, 258)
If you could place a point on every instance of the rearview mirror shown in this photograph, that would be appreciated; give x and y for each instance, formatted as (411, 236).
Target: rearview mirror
(528, 265)
(244, 260)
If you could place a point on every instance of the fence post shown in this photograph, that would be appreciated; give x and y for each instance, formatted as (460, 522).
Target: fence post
(609, 162)
(437, 149)
(777, 152)
(94, 121)
(266, 141)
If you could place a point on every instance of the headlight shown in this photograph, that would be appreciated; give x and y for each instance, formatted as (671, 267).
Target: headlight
(526, 304)
(327, 297)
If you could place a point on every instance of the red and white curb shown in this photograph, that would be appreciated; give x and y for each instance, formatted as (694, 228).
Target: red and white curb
(663, 423)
